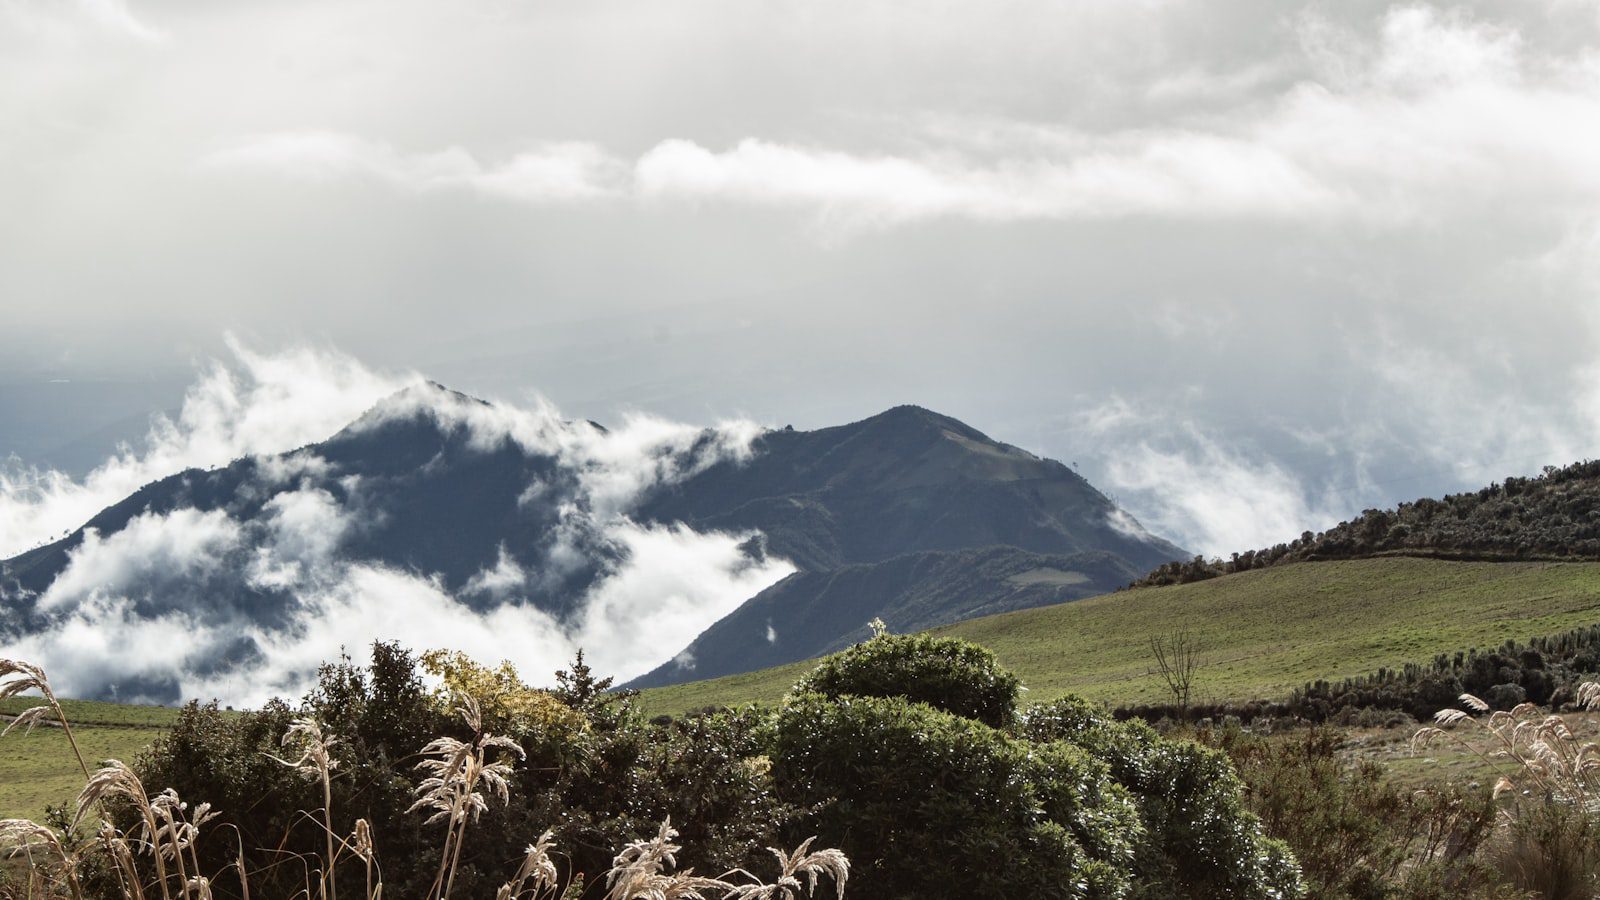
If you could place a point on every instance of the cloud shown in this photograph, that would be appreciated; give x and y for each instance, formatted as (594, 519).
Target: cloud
(248, 607)
(544, 173)
(1213, 498)
(674, 584)
(505, 576)
(59, 22)
(1433, 112)
(256, 404)
(152, 548)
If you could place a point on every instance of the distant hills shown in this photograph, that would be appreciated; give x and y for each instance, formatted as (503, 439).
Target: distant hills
(909, 515)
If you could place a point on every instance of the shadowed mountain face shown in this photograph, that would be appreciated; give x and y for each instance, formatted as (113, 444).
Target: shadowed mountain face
(445, 521)
(904, 481)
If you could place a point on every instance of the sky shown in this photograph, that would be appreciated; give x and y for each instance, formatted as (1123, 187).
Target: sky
(1252, 266)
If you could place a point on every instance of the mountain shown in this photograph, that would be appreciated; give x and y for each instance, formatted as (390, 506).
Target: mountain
(903, 481)
(436, 515)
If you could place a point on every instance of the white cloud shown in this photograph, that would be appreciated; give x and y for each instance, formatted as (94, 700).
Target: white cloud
(1426, 114)
(674, 584)
(547, 172)
(175, 579)
(261, 404)
(61, 21)
(505, 576)
(164, 548)
(1212, 498)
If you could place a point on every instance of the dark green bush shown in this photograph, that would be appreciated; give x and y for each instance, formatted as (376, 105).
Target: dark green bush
(953, 675)
(598, 789)
(1198, 840)
(931, 804)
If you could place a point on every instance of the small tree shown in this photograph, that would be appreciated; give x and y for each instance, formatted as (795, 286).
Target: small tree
(1177, 657)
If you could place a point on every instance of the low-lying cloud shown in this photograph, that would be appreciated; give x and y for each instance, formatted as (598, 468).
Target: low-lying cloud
(256, 405)
(220, 603)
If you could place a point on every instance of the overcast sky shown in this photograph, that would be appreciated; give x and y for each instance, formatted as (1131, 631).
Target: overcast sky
(1254, 266)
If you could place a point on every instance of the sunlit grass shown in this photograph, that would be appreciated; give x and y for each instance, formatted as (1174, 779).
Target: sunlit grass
(1265, 632)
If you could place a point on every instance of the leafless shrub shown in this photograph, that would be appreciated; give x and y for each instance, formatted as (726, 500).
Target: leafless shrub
(1177, 657)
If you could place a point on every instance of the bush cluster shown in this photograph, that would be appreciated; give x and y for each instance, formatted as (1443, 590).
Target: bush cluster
(1545, 670)
(907, 753)
(597, 787)
(1061, 802)
(957, 677)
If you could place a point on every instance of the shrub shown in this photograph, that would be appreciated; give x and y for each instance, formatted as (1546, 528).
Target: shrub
(1197, 839)
(1551, 843)
(1551, 849)
(507, 705)
(928, 803)
(952, 675)
(595, 774)
(1356, 834)
(149, 841)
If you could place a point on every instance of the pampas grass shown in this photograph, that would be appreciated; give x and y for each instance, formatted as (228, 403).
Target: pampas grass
(461, 777)
(1549, 842)
(1533, 750)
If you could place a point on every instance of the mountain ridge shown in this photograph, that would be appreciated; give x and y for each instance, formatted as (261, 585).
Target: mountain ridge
(908, 514)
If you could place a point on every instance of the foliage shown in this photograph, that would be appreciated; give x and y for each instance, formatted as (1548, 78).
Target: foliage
(1071, 803)
(1550, 849)
(924, 800)
(596, 786)
(1555, 515)
(151, 841)
(1355, 834)
(1551, 843)
(1197, 838)
(952, 675)
(507, 706)
(1545, 670)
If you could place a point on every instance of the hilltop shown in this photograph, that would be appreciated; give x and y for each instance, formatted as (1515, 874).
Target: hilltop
(1554, 515)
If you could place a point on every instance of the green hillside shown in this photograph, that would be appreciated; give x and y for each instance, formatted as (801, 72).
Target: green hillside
(1265, 632)
(39, 769)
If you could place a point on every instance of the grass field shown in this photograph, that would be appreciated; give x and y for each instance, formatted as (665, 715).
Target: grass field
(1264, 633)
(39, 769)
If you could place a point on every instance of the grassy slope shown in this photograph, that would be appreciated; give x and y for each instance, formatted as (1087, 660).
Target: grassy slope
(1266, 632)
(39, 768)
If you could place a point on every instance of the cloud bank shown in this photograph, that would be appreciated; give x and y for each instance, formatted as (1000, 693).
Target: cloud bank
(1332, 254)
(242, 601)
(1434, 112)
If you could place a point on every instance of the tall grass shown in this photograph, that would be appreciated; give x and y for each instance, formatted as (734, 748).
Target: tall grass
(156, 855)
(1549, 784)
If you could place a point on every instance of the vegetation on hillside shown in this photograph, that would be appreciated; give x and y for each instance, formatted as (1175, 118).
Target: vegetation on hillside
(1545, 671)
(329, 797)
(1555, 515)
(922, 797)
(1265, 633)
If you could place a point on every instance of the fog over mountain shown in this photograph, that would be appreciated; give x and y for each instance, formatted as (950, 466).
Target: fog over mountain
(1254, 266)
(256, 535)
